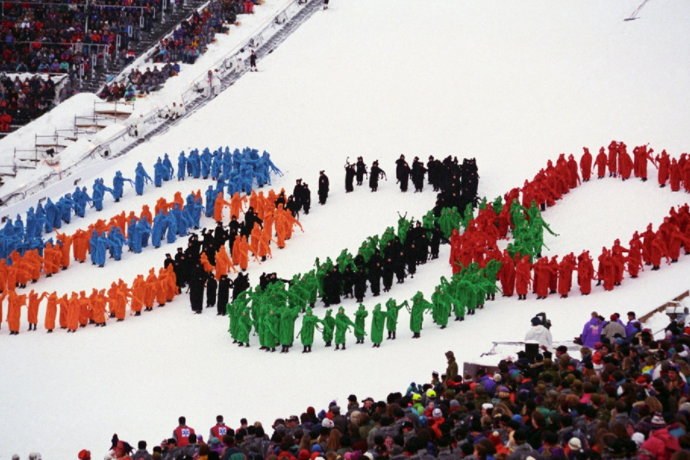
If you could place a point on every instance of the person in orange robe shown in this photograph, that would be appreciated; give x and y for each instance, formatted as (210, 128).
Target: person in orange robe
(19, 267)
(254, 237)
(161, 205)
(138, 294)
(169, 282)
(98, 303)
(121, 296)
(73, 313)
(146, 212)
(65, 248)
(34, 303)
(14, 311)
(51, 312)
(161, 294)
(80, 245)
(64, 311)
(85, 313)
(151, 288)
(236, 205)
(218, 207)
(31, 262)
(223, 263)
(243, 254)
(254, 200)
(264, 246)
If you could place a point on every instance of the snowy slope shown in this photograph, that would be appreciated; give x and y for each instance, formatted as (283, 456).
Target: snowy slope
(512, 84)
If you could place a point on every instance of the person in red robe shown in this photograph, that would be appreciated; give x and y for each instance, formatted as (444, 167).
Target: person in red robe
(614, 149)
(606, 270)
(586, 165)
(565, 275)
(641, 155)
(574, 174)
(542, 277)
(658, 250)
(506, 274)
(674, 174)
(585, 273)
(664, 163)
(635, 256)
(523, 277)
(601, 162)
(625, 164)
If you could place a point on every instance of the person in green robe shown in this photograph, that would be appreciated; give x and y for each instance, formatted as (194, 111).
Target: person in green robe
(244, 328)
(441, 305)
(392, 317)
(234, 310)
(360, 316)
(328, 324)
(271, 328)
(288, 316)
(306, 333)
(419, 306)
(378, 322)
(342, 325)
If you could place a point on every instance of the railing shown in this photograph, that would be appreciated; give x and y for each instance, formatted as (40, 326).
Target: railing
(227, 62)
(152, 117)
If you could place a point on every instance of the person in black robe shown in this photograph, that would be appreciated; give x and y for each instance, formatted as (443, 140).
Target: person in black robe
(224, 285)
(374, 175)
(375, 271)
(388, 272)
(360, 282)
(305, 199)
(240, 285)
(361, 170)
(211, 291)
(323, 187)
(196, 288)
(418, 172)
(297, 194)
(350, 174)
(402, 173)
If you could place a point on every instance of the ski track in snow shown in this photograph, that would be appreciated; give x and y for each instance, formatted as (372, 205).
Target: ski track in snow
(510, 84)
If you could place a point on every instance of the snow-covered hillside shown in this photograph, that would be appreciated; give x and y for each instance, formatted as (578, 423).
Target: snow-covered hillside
(511, 84)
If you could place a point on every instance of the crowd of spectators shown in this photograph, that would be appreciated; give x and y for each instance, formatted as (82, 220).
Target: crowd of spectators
(23, 99)
(50, 37)
(189, 40)
(619, 401)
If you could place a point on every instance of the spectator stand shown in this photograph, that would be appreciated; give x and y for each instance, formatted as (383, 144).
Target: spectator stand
(26, 96)
(145, 49)
(121, 141)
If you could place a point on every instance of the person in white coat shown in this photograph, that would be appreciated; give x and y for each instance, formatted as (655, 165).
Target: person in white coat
(215, 83)
(140, 127)
(539, 334)
(240, 66)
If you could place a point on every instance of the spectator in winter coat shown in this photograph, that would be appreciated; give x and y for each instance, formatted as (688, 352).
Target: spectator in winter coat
(452, 369)
(141, 453)
(540, 334)
(612, 329)
(591, 333)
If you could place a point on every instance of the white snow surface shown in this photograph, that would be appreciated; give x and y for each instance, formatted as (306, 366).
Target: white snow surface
(512, 84)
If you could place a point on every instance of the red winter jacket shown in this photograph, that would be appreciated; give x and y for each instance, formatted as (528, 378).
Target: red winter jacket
(661, 444)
